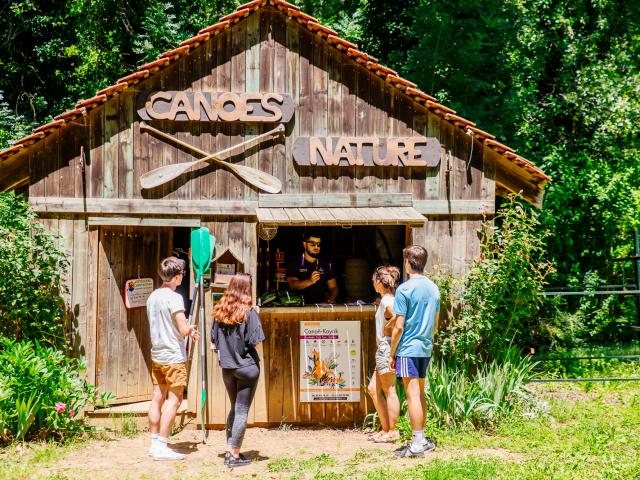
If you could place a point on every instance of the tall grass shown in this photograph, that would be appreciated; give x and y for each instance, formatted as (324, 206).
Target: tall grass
(457, 398)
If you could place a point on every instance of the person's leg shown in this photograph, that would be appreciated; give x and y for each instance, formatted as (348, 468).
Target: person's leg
(423, 402)
(155, 409)
(170, 409)
(247, 381)
(158, 396)
(176, 376)
(231, 385)
(379, 402)
(388, 382)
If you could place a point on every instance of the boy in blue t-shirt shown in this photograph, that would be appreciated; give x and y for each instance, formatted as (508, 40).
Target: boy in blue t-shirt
(416, 307)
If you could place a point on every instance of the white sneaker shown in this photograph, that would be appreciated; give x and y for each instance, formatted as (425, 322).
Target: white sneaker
(165, 453)
(152, 450)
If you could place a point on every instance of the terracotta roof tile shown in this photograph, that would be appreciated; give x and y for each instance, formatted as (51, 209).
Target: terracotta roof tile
(340, 43)
(396, 80)
(69, 114)
(251, 5)
(457, 119)
(301, 15)
(118, 87)
(284, 5)
(90, 101)
(203, 37)
(175, 52)
(498, 146)
(12, 150)
(235, 16)
(315, 26)
(382, 70)
(419, 94)
(215, 28)
(30, 138)
(439, 106)
(482, 133)
(134, 77)
(50, 126)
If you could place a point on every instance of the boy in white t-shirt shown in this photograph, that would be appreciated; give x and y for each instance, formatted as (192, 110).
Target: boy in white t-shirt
(168, 328)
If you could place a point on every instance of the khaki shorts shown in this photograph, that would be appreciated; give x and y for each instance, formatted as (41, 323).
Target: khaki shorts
(174, 375)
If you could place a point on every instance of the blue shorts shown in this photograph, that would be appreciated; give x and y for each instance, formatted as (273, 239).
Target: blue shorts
(412, 367)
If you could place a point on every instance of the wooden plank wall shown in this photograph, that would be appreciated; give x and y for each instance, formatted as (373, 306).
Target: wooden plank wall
(266, 52)
(277, 399)
(80, 242)
(123, 345)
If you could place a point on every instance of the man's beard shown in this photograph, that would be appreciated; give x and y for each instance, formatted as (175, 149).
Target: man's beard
(312, 254)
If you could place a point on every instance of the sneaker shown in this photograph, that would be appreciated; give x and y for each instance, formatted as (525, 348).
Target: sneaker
(227, 456)
(406, 452)
(428, 445)
(238, 461)
(152, 450)
(165, 453)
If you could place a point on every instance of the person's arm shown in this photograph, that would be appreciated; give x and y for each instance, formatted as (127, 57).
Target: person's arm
(185, 329)
(436, 325)
(332, 284)
(396, 334)
(390, 321)
(296, 284)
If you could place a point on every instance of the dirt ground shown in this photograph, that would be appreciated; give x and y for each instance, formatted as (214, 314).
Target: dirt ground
(127, 457)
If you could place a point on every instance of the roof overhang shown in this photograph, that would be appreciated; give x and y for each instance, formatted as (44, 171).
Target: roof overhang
(349, 216)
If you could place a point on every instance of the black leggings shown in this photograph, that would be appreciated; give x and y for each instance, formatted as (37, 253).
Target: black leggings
(241, 387)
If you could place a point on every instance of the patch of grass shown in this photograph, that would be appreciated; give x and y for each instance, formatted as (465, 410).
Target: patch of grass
(19, 461)
(289, 464)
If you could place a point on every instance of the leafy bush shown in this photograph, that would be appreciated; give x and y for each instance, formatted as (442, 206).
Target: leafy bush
(41, 391)
(31, 270)
(496, 302)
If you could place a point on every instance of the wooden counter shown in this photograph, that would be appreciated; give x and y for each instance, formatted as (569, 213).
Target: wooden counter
(277, 399)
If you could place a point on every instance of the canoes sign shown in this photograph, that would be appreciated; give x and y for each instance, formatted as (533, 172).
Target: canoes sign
(215, 107)
(367, 151)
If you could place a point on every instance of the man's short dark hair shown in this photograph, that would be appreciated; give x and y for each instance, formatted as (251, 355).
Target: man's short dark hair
(307, 235)
(171, 267)
(416, 256)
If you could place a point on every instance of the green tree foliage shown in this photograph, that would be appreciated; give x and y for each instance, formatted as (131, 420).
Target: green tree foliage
(498, 299)
(53, 53)
(31, 270)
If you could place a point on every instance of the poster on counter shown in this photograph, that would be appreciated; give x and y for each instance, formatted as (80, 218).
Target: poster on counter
(136, 292)
(330, 361)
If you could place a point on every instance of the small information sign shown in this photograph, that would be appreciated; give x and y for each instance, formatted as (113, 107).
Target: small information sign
(137, 291)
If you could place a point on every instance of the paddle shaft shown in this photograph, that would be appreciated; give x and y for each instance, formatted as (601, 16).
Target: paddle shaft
(203, 360)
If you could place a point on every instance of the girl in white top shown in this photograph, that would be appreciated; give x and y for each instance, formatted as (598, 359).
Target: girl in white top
(385, 281)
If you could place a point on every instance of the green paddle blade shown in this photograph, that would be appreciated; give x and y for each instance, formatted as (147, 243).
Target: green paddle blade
(200, 251)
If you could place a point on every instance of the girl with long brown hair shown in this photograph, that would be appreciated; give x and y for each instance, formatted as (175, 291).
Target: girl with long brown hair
(385, 281)
(236, 332)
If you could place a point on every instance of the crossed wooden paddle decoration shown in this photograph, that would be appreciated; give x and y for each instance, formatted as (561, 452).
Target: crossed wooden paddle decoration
(255, 177)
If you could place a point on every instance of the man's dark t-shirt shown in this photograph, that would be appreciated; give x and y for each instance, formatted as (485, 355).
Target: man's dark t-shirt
(236, 344)
(302, 270)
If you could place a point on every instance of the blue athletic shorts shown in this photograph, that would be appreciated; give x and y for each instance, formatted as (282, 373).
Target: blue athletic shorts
(412, 367)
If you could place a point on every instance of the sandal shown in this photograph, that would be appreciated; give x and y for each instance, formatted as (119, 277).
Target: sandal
(386, 438)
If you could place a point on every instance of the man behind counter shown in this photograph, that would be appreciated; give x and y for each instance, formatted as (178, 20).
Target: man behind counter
(311, 276)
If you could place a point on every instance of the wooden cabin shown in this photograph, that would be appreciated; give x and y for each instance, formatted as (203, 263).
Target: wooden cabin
(365, 156)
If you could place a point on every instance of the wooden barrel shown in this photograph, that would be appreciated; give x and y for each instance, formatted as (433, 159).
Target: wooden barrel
(357, 281)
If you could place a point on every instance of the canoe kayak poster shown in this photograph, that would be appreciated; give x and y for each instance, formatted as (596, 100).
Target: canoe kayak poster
(330, 361)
